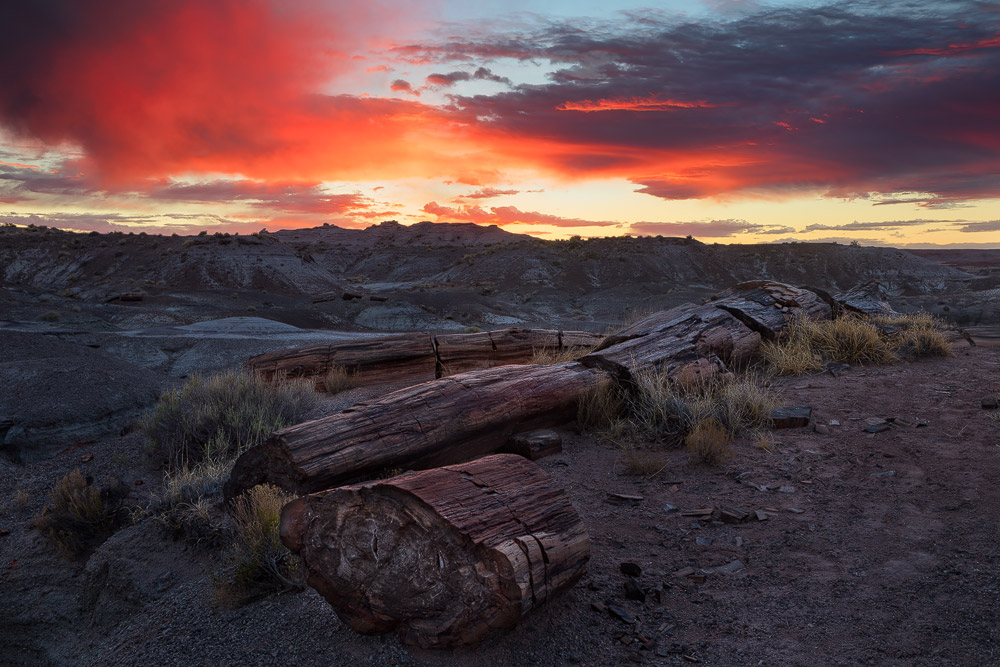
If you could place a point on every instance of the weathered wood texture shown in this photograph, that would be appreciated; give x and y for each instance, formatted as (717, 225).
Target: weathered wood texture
(767, 307)
(444, 421)
(416, 357)
(868, 299)
(690, 343)
(442, 556)
(407, 357)
(534, 445)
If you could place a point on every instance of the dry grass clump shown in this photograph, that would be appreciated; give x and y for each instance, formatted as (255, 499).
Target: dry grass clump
(80, 515)
(549, 355)
(808, 344)
(709, 442)
(221, 416)
(660, 412)
(338, 379)
(259, 563)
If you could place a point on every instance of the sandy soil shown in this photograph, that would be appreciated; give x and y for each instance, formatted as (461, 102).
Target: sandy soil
(875, 549)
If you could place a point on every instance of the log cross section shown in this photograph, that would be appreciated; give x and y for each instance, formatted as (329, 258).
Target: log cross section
(442, 556)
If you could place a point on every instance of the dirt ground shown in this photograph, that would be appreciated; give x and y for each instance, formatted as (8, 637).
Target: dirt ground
(874, 548)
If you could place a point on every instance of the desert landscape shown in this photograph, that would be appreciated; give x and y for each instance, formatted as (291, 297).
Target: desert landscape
(862, 536)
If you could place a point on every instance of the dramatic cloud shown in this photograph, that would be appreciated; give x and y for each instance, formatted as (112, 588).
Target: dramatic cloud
(875, 225)
(712, 229)
(506, 215)
(289, 197)
(489, 193)
(984, 226)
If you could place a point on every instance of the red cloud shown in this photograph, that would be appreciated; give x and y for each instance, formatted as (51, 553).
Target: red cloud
(506, 215)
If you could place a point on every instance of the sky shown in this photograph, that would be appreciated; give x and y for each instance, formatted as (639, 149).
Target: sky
(733, 121)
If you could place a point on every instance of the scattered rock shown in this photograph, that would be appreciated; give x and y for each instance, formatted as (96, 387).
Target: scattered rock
(794, 510)
(786, 489)
(705, 512)
(625, 498)
(908, 422)
(990, 403)
(760, 514)
(822, 429)
(836, 369)
(633, 591)
(86, 458)
(620, 614)
(684, 572)
(704, 541)
(351, 296)
(534, 445)
(884, 473)
(670, 508)
(877, 428)
(733, 514)
(875, 421)
(630, 569)
(598, 607)
(790, 417)
(729, 568)
(834, 422)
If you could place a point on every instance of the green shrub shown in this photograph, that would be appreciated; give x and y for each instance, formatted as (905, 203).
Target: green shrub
(219, 417)
(80, 515)
(259, 563)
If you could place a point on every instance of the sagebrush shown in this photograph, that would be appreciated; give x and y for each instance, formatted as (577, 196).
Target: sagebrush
(223, 415)
(80, 514)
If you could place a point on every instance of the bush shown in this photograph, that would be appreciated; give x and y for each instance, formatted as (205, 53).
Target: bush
(548, 355)
(50, 316)
(81, 516)
(219, 417)
(709, 441)
(852, 339)
(338, 379)
(259, 563)
(642, 462)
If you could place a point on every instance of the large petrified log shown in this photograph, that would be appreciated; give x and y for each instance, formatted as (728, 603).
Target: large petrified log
(444, 421)
(441, 556)
(416, 357)
(690, 343)
(767, 307)
(406, 357)
(869, 299)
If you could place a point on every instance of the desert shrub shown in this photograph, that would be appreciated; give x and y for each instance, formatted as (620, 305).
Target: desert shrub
(80, 515)
(600, 407)
(473, 329)
(50, 316)
(259, 563)
(338, 379)
(548, 355)
(221, 416)
(709, 441)
(808, 344)
(642, 461)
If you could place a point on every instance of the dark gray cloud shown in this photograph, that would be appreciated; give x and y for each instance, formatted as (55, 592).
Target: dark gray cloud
(875, 225)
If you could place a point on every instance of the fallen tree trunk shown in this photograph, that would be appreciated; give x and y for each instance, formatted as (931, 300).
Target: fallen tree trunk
(442, 556)
(767, 307)
(690, 343)
(407, 357)
(445, 421)
(415, 357)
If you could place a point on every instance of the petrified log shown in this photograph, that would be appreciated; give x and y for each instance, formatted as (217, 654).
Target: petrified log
(403, 358)
(767, 307)
(690, 343)
(868, 299)
(535, 445)
(442, 556)
(453, 419)
(464, 352)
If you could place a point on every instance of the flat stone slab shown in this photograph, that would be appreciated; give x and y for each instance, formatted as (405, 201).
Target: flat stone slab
(791, 417)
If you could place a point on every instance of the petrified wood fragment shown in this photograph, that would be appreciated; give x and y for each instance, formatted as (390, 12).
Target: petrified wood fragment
(767, 307)
(441, 556)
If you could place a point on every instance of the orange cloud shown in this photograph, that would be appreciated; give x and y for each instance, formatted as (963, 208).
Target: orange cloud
(651, 103)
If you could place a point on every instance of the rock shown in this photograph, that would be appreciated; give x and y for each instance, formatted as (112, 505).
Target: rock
(630, 569)
(633, 591)
(703, 513)
(351, 296)
(684, 572)
(790, 417)
(704, 541)
(733, 514)
(760, 514)
(908, 422)
(875, 421)
(598, 607)
(786, 489)
(990, 403)
(620, 614)
(834, 422)
(670, 508)
(534, 445)
(822, 429)
(877, 428)
(729, 568)
(624, 497)
(884, 473)
(836, 369)
(86, 458)
(794, 510)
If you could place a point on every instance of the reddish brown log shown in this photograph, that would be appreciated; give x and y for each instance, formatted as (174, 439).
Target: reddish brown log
(767, 307)
(442, 556)
(404, 358)
(464, 352)
(454, 419)
(690, 343)
(535, 445)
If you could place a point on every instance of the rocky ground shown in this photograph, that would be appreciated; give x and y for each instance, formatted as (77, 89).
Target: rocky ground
(873, 548)
(869, 547)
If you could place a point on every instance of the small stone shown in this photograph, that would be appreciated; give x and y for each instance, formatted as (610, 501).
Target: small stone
(139, 482)
(794, 510)
(733, 514)
(620, 614)
(684, 572)
(761, 515)
(786, 489)
(690, 658)
(86, 458)
(670, 508)
(834, 422)
(790, 417)
(4, 532)
(624, 497)
(990, 403)
(875, 421)
(633, 591)
(534, 445)
(822, 429)
(729, 568)
(836, 369)
(877, 428)
(884, 473)
(630, 569)
(598, 607)
(697, 578)
(704, 541)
